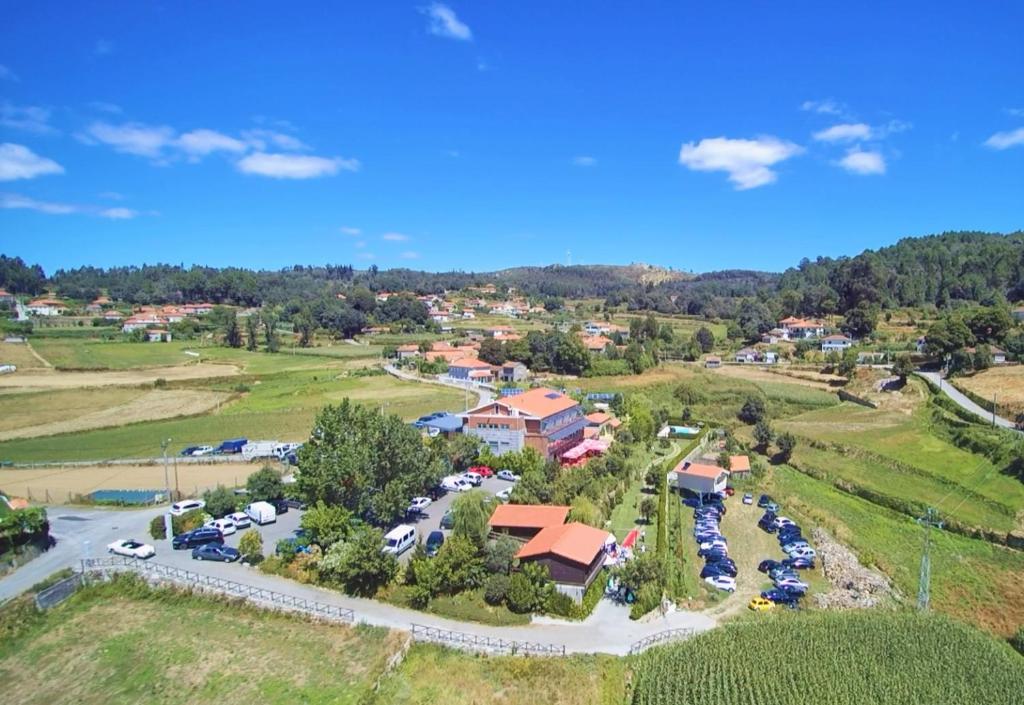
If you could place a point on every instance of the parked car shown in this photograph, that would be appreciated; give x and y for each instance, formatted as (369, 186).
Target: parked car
(215, 552)
(418, 505)
(454, 483)
(472, 478)
(768, 564)
(507, 475)
(399, 539)
(225, 525)
(504, 495)
(189, 450)
(802, 553)
(760, 604)
(131, 548)
(712, 569)
(448, 520)
(799, 563)
(722, 582)
(793, 545)
(748, 498)
(779, 597)
(202, 450)
(280, 506)
(482, 470)
(197, 537)
(767, 526)
(261, 513)
(434, 542)
(186, 505)
(783, 521)
(763, 500)
(241, 520)
(791, 582)
(714, 543)
(772, 507)
(726, 568)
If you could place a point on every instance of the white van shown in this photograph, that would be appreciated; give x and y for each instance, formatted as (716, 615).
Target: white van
(262, 513)
(399, 539)
(186, 505)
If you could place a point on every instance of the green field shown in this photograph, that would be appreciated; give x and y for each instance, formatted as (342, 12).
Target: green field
(127, 643)
(849, 658)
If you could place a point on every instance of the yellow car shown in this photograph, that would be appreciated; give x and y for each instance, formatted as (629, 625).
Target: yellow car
(759, 604)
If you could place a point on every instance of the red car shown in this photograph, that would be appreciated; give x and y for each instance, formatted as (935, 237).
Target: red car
(730, 491)
(482, 470)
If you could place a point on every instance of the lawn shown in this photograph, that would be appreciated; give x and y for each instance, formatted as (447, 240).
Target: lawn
(113, 644)
(19, 355)
(973, 580)
(280, 406)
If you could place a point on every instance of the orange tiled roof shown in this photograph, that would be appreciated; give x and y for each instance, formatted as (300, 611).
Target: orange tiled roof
(739, 463)
(528, 516)
(699, 470)
(471, 362)
(598, 417)
(577, 542)
(541, 402)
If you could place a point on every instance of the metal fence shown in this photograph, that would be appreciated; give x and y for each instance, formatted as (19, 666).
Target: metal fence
(58, 592)
(475, 642)
(158, 572)
(661, 638)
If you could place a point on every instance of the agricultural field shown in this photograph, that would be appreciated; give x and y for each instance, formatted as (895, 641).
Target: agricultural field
(1003, 383)
(832, 659)
(19, 355)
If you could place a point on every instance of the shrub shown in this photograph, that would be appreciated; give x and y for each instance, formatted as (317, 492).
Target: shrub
(648, 597)
(220, 501)
(559, 603)
(157, 528)
(753, 410)
(251, 546)
(496, 588)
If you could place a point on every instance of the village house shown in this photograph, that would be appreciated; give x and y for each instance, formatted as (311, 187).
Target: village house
(158, 335)
(698, 478)
(512, 371)
(6, 297)
(524, 521)
(601, 424)
(573, 553)
(835, 343)
(46, 307)
(800, 328)
(596, 344)
(712, 362)
(774, 336)
(746, 355)
(469, 368)
(739, 466)
(548, 421)
(404, 352)
(142, 320)
(595, 328)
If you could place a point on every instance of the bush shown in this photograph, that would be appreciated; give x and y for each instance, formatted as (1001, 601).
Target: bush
(753, 410)
(157, 528)
(648, 597)
(1017, 640)
(560, 604)
(251, 546)
(496, 588)
(220, 501)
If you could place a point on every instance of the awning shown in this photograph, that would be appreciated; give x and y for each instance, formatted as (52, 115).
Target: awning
(591, 445)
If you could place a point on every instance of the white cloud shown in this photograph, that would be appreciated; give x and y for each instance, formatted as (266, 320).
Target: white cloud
(294, 166)
(199, 143)
(19, 162)
(584, 161)
(444, 23)
(104, 107)
(1005, 140)
(260, 139)
(844, 132)
(864, 163)
(6, 74)
(103, 47)
(131, 137)
(394, 237)
(30, 118)
(824, 107)
(118, 213)
(354, 232)
(17, 201)
(410, 254)
(1016, 112)
(746, 161)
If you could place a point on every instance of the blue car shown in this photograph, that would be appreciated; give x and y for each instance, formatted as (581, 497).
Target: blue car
(216, 552)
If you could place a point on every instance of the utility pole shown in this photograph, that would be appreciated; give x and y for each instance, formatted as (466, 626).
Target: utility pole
(993, 409)
(168, 524)
(929, 520)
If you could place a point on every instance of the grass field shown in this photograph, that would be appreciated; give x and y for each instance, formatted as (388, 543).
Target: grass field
(1004, 383)
(973, 580)
(837, 659)
(126, 643)
(20, 355)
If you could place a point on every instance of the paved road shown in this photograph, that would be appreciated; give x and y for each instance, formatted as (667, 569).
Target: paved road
(607, 630)
(486, 395)
(964, 401)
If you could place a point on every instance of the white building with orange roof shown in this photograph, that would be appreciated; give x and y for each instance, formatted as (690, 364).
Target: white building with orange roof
(46, 307)
(698, 477)
(541, 418)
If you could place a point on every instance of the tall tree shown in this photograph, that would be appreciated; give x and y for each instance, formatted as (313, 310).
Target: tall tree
(232, 333)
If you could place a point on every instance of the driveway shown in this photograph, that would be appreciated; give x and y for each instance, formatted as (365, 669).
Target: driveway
(485, 395)
(964, 401)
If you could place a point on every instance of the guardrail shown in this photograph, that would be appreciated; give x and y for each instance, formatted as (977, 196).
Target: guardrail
(661, 638)
(223, 586)
(475, 642)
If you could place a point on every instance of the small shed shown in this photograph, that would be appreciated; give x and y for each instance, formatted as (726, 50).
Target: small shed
(698, 478)
(739, 466)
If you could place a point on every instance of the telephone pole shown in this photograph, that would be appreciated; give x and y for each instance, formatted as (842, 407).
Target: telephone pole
(930, 519)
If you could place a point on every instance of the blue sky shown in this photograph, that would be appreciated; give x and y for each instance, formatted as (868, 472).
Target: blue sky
(481, 135)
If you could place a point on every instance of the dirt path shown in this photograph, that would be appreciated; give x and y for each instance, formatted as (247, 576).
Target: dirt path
(150, 406)
(42, 360)
(38, 380)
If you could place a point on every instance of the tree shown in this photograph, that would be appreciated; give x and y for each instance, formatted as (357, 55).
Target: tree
(326, 524)
(500, 555)
(471, 512)
(586, 512)
(860, 321)
(220, 502)
(496, 589)
(269, 329)
(264, 485)
(689, 393)
(982, 358)
(462, 450)
(786, 443)
(232, 334)
(492, 351)
(358, 565)
(753, 410)
(763, 434)
(902, 367)
(648, 508)
(947, 335)
(847, 364)
(459, 566)
(724, 461)
(367, 462)
(705, 339)
(570, 356)
(303, 325)
(252, 332)
(529, 588)
(251, 546)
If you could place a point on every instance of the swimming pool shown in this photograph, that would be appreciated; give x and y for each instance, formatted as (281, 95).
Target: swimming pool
(683, 430)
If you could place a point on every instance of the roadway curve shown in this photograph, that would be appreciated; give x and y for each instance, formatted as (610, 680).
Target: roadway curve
(607, 630)
(964, 401)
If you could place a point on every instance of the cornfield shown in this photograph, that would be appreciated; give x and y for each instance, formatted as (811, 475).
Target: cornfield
(855, 658)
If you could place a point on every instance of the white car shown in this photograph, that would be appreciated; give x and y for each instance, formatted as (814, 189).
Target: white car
(226, 526)
(505, 495)
(722, 582)
(418, 505)
(718, 543)
(472, 478)
(455, 484)
(507, 475)
(132, 549)
(802, 552)
(791, 582)
(186, 505)
(783, 521)
(203, 450)
(241, 520)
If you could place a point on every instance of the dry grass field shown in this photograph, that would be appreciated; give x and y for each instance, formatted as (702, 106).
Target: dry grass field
(804, 378)
(49, 379)
(1005, 383)
(20, 355)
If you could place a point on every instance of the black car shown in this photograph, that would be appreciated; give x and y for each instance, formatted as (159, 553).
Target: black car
(799, 563)
(766, 526)
(722, 568)
(198, 537)
(766, 565)
(281, 506)
(448, 520)
(216, 552)
(779, 597)
(434, 542)
(713, 570)
(764, 500)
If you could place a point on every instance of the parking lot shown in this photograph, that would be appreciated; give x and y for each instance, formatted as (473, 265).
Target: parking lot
(431, 519)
